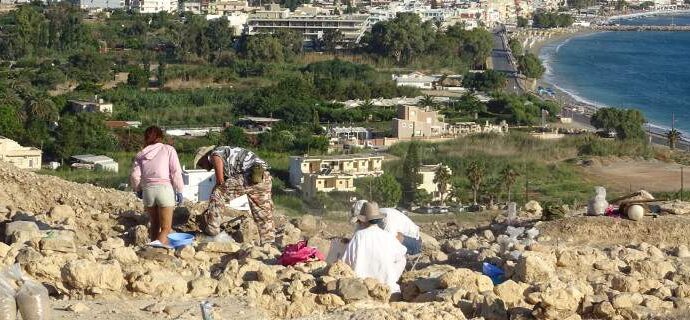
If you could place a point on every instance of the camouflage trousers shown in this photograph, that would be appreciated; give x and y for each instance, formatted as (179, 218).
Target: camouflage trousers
(260, 204)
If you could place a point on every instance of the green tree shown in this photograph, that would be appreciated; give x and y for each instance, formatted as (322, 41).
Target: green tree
(487, 81)
(469, 104)
(138, 77)
(234, 136)
(265, 48)
(627, 123)
(410, 173)
(422, 197)
(331, 40)
(530, 65)
(384, 190)
(402, 38)
(475, 173)
(427, 101)
(515, 47)
(83, 133)
(442, 178)
(10, 124)
(161, 73)
(673, 137)
(522, 22)
(509, 176)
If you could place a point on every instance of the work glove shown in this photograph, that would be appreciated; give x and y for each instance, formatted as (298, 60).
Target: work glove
(178, 198)
(139, 194)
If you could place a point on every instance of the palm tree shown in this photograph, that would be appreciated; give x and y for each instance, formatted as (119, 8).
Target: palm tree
(673, 136)
(475, 173)
(367, 105)
(427, 101)
(509, 177)
(442, 180)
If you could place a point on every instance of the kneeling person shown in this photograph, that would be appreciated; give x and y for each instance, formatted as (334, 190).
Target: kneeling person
(397, 224)
(373, 252)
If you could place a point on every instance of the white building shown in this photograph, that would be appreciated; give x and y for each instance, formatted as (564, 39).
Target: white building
(415, 79)
(192, 132)
(198, 184)
(154, 6)
(428, 174)
(21, 157)
(92, 162)
(102, 4)
(97, 105)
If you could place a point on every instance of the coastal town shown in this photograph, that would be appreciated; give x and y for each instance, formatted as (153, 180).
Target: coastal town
(295, 159)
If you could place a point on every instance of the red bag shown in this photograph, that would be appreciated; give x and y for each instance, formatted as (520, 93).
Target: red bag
(299, 252)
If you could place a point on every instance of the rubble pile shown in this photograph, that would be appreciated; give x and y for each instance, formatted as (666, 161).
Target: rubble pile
(84, 242)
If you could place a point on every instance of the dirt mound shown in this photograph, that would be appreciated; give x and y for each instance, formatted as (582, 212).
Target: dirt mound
(604, 231)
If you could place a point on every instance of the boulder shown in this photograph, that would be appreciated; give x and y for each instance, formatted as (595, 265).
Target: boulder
(330, 301)
(510, 292)
(626, 300)
(186, 253)
(21, 231)
(625, 284)
(566, 298)
(78, 307)
(682, 251)
(466, 279)
(533, 267)
(124, 255)
(450, 246)
(290, 235)
(160, 283)
(429, 243)
(339, 269)
(604, 310)
(492, 308)
(111, 243)
(653, 269)
(676, 207)
(352, 289)
(219, 247)
(60, 241)
(377, 290)
(534, 208)
(202, 287)
(85, 274)
(61, 212)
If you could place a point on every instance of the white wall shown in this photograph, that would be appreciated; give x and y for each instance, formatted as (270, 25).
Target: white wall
(198, 184)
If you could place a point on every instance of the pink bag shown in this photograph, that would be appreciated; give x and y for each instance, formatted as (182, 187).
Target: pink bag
(299, 252)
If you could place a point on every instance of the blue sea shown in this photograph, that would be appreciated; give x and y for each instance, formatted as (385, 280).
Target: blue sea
(649, 71)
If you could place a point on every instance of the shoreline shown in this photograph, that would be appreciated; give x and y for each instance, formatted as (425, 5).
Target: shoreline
(581, 111)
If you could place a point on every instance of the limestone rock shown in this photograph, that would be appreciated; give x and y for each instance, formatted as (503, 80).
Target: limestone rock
(377, 290)
(85, 274)
(220, 247)
(139, 235)
(61, 212)
(625, 284)
(682, 251)
(60, 241)
(533, 207)
(604, 310)
(653, 269)
(339, 269)
(111, 244)
(429, 243)
(352, 289)
(510, 292)
(160, 283)
(626, 300)
(185, 253)
(309, 225)
(466, 279)
(202, 287)
(330, 301)
(450, 246)
(290, 235)
(493, 308)
(124, 255)
(533, 267)
(21, 231)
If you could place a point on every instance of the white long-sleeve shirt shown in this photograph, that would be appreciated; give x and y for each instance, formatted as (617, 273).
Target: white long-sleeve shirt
(375, 253)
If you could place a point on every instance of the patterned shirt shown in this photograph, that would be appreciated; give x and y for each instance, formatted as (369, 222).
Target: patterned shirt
(237, 160)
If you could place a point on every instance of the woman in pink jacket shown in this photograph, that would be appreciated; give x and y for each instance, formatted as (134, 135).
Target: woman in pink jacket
(157, 179)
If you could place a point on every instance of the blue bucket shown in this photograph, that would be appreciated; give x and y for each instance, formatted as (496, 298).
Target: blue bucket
(180, 239)
(495, 273)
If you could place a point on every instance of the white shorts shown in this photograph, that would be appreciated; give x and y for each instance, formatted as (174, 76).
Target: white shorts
(159, 195)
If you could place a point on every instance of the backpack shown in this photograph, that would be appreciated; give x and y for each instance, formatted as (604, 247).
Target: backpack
(299, 252)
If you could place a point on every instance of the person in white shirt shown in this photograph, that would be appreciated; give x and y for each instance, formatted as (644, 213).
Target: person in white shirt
(396, 223)
(373, 252)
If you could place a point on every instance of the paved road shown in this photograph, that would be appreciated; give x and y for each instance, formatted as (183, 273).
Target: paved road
(502, 61)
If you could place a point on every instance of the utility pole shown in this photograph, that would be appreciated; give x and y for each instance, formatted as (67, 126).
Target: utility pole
(681, 183)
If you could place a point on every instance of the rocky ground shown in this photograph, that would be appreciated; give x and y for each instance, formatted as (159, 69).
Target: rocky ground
(85, 244)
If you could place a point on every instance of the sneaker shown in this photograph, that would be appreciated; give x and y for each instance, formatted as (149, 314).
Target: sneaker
(159, 244)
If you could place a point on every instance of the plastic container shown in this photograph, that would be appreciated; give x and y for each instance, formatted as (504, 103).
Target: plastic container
(495, 273)
(180, 239)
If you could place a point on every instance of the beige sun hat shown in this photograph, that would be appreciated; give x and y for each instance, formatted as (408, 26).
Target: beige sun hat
(370, 211)
(202, 152)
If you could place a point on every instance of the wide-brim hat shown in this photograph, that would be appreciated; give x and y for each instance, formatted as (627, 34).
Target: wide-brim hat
(370, 211)
(356, 209)
(201, 153)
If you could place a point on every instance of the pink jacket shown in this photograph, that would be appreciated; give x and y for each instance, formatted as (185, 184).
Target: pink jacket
(157, 164)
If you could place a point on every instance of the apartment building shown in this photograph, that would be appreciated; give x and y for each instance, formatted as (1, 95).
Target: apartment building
(428, 174)
(21, 157)
(313, 27)
(332, 173)
(413, 121)
(154, 6)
